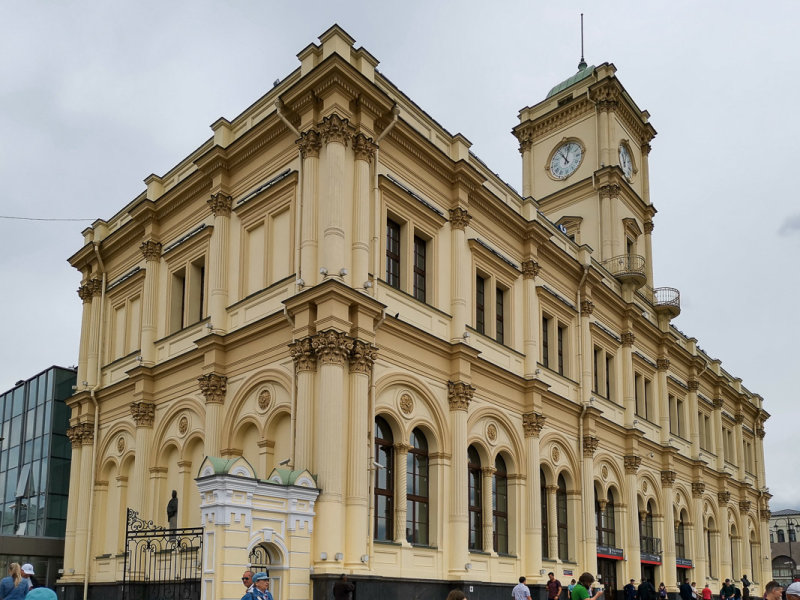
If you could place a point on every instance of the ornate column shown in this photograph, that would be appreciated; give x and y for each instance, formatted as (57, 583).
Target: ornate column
(357, 500)
(74, 500)
(187, 487)
(628, 383)
(213, 386)
(487, 473)
(82, 524)
(305, 363)
(333, 351)
(718, 435)
(662, 364)
(93, 354)
(724, 545)
(152, 256)
(530, 316)
(759, 454)
(698, 530)
(667, 481)
(400, 486)
(608, 193)
(525, 143)
(552, 522)
(633, 549)
(309, 144)
(648, 250)
(364, 150)
(532, 424)
(694, 425)
(587, 308)
(590, 444)
(85, 294)
(220, 205)
(460, 281)
(336, 133)
(739, 446)
(459, 395)
(143, 414)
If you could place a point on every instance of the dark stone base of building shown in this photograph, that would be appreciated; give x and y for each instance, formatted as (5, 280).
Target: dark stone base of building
(97, 591)
(384, 588)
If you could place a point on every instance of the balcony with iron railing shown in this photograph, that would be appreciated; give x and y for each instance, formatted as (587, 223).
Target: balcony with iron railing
(667, 300)
(627, 268)
(650, 545)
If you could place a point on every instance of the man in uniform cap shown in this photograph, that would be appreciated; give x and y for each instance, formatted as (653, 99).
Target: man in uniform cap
(260, 588)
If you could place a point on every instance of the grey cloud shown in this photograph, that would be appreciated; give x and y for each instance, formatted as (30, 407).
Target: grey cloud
(790, 226)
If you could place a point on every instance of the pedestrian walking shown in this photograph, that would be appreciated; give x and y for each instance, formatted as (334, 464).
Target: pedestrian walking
(13, 587)
(521, 591)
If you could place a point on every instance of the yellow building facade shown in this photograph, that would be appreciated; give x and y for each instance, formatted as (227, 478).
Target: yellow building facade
(350, 347)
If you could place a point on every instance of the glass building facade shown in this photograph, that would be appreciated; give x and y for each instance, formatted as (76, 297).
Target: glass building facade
(34, 471)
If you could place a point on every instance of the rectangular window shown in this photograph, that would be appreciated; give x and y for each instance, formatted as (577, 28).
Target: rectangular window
(480, 304)
(641, 391)
(393, 254)
(561, 348)
(187, 295)
(546, 342)
(499, 316)
(598, 357)
(178, 299)
(609, 374)
(420, 247)
(679, 413)
(701, 430)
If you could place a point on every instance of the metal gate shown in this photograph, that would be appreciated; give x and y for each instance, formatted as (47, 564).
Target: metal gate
(161, 564)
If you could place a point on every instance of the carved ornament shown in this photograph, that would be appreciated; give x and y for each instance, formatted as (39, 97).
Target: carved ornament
(662, 364)
(530, 269)
(96, 286)
(724, 497)
(309, 144)
(587, 307)
(402, 448)
(85, 293)
(555, 454)
(264, 399)
(183, 425)
(213, 387)
(646, 149)
(121, 444)
(220, 204)
(303, 355)
(609, 191)
(628, 337)
(364, 148)
(744, 506)
(332, 347)
(336, 129)
(459, 218)
(143, 413)
(649, 226)
(362, 357)
(525, 141)
(406, 404)
(459, 394)
(766, 515)
(604, 472)
(87, 434)
(718, 403)
(488, 471)
(693, 385)
(632, 463)
(74, 435)
(491, 432)
(698, 489)
(761, 432)
(668, 477)
(739, 418)
(590, 444)
(532, 424)
(151, 250)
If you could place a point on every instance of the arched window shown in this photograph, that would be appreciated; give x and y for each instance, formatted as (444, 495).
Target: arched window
(647, 540)
(781, 536)
(500, 503)
(545, 530)
(475, 499)
(680, 538)
(561, 515)
(417, 494)
(604, 518)
(384, 481)
(711, 553)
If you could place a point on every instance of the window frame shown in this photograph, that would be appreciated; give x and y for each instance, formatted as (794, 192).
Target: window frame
(474, 500)
(389, 491)
(500, 517)
(498, 276)
(415, 501)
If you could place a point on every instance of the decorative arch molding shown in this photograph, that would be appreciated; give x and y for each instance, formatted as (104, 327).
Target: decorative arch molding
(198, 422)
(109, 449)
(516, 449)
(550, 476)
(710, 509)
(608, 473)
(650, 489)
(567, 457)
(420, 389)
(273, 417)
(274, 542)
(254, 381)
(484, 452)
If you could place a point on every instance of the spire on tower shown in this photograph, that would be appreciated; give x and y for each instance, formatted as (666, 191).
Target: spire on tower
(582, 65)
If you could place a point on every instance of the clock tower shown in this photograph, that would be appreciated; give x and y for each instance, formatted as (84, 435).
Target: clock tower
(584, 160)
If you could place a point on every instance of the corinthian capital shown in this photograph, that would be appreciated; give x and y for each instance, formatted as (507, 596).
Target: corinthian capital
(590, 444)
(530, 269)
(698, 489)
(532, 424)
(86, 433)
(143, 413)
(459, 394)
(309, 144)
(332, 347)
(610, 191)
(85, 293)
(649, 226)
(220, 204)
(151, 250)
(363, 147)
(662, 364)
(336, 129)
(74, 435)
(668, 477)
(525, 142)
(362, 357)
(95, 286)
(303, 355)
(459, 218)
(632, 463)
(213, 387)
(628, 338)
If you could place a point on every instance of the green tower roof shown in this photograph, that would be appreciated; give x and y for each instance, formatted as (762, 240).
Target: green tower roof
(583, 73)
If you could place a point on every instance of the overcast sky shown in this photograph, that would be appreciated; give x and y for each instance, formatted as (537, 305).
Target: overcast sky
(96, 96)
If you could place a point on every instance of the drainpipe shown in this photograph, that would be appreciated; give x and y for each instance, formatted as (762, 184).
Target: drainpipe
(584, 403)
(376, 228)
(92, 395)
(299, 219)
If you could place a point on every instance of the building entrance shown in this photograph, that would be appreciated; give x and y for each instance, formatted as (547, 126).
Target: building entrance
(649, 573)
(607, 569)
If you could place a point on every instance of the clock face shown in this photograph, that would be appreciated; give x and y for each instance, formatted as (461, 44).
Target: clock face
(625, 162)
(566, 160)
